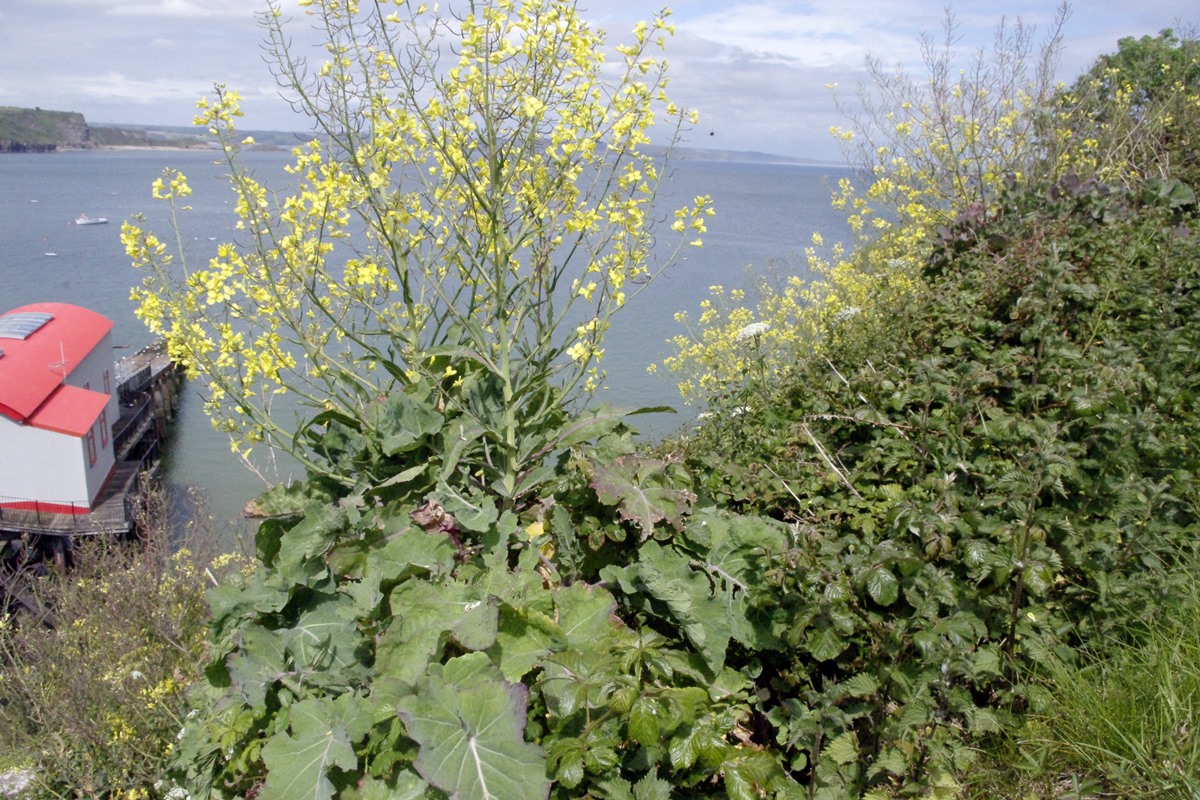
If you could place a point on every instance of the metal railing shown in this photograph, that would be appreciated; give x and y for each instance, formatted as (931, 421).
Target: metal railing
(44, 516)
(133, 426)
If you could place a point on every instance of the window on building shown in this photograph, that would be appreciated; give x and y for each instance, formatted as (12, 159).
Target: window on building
(91, 447)
(107, 383)
(104, 428)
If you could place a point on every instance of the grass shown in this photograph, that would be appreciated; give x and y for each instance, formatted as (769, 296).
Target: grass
(1123, 723)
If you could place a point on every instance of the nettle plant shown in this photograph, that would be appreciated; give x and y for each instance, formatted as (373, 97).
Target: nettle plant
(480, 590)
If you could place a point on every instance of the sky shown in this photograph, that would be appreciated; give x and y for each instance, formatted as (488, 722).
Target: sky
(758, 73)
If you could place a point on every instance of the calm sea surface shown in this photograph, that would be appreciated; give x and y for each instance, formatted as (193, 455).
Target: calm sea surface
(766, 214)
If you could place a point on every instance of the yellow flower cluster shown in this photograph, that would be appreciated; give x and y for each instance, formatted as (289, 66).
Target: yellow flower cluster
(469, 203)
(927, 150)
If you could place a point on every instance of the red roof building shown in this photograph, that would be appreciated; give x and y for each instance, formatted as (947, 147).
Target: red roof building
(57, 405)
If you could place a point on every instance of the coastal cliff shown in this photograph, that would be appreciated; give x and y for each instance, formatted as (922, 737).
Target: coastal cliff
(24, 130)
(36, 130)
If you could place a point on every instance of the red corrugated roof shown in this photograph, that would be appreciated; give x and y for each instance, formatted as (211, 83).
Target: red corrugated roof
(70, 410)
(27, 377)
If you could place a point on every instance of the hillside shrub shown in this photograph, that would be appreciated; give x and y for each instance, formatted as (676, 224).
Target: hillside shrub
(1133, 115)
(483, 588)
(922, 147)
(91, 708)
(989, 487)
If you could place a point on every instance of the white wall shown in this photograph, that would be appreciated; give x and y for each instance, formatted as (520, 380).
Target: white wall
(37, 464)
(89, 373)
(42, 465)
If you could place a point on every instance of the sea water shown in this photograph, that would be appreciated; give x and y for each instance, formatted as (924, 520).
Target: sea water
(766, 214)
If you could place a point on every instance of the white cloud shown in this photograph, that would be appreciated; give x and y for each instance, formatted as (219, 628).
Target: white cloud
(205, 9)
(755, 69)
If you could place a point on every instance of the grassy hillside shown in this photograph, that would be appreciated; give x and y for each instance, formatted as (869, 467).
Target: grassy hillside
(36, 128)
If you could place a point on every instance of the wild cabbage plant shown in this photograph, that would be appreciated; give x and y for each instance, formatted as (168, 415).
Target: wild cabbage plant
(481, 590)
(474, 209)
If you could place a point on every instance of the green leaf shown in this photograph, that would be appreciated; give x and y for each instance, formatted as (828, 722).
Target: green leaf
(684, 749)
(305, 544)
(641, 491)
(424, 614)
(476, 628)
(861, 685)
(407, 786)
(473, 512)
(842, 750)
(322, 734)
(824, 644)
(469, 724)
(408, 553)
(643, 721)
(986, 661)
(402, 421)
(738, 547)
(706, 620)
(588, 426)
(751, 774)
(283, 499)
(403, 476)
(324, 637)
(458, 436)
(259, 661)
(525, 636)
(574, 679)
(882, 586)
(652, 787)
(892, 761)
(585, 614)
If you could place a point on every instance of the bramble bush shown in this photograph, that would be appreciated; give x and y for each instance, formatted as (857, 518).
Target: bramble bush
(990, 449)
(981, 492)
(924, 149)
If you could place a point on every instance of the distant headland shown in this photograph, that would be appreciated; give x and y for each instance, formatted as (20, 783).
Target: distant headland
(36, 130)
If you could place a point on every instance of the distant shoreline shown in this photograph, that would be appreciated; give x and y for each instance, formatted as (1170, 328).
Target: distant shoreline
(681, 154)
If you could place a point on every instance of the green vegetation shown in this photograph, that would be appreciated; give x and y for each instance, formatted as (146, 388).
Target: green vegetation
(936, 538)
(988, 488)
(1126, 713)
(991, 450)
(34, 128)
(90, 708)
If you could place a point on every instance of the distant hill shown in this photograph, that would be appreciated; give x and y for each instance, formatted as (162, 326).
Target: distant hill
(36, 130)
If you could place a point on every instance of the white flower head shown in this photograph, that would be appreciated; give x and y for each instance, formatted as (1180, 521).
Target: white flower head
(846, 313)
(751, 330)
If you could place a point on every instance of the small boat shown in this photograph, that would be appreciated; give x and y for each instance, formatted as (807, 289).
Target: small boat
(84, 219)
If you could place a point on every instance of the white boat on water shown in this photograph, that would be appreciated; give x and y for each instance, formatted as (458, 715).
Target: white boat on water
(84, 219)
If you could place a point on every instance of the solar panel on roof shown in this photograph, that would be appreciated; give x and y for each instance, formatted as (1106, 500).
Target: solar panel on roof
(23, 324)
